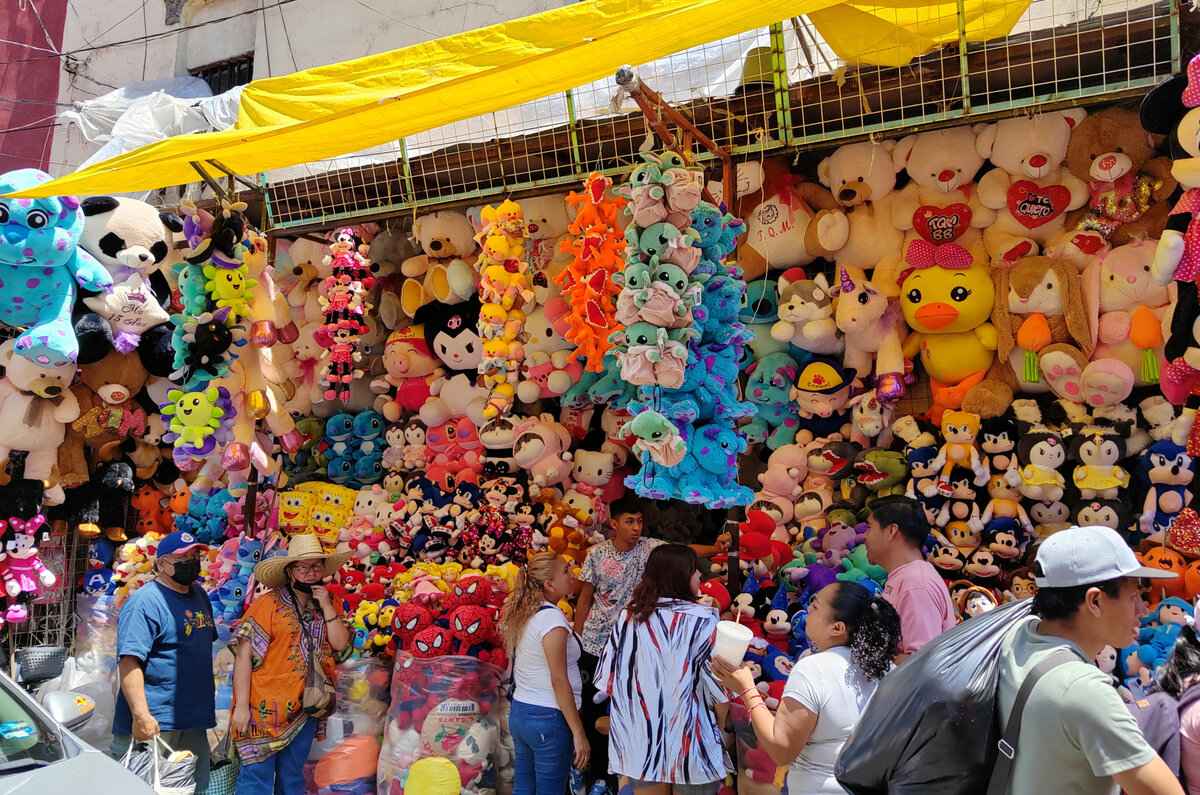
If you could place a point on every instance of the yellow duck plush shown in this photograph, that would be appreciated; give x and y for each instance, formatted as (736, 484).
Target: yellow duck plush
(948, 310)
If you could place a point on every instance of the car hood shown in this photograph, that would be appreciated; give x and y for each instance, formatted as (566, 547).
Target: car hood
(101, 773)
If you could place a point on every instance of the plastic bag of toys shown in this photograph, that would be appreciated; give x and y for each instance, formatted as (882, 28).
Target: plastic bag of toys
(448, 707)
(345, 756)
(931, 726)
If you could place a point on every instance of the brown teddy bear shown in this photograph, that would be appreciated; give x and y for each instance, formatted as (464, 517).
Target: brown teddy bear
(1127, 186)
(108, 413)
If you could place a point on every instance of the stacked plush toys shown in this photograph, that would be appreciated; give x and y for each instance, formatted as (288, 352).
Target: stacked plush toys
(680, 345)
(506, 290)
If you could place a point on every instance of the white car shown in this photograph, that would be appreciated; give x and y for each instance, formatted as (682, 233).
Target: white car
(40, 756)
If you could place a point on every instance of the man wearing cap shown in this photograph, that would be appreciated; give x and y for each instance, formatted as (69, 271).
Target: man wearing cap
(165, 635)
(1076, 734)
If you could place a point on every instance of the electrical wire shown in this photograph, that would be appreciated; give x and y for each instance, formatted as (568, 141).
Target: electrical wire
(33, 47)
(146, 46)
(287, 36)
(153, 36)
(38, 16)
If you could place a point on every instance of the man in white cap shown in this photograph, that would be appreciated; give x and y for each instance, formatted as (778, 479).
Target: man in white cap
(1076, 736)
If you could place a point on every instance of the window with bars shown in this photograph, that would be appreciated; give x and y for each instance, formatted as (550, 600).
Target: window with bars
(224, 75)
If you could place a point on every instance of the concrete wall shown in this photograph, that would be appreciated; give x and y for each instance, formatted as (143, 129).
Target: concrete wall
(296, 35)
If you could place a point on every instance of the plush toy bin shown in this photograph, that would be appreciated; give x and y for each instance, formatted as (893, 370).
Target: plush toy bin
(344, 759)
(448, 707)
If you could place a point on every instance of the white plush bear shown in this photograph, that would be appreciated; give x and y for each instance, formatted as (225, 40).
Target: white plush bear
(1029, 189)
(939, 209)
(445, 272)
(862, 178)
(546, 219)
(36, 404)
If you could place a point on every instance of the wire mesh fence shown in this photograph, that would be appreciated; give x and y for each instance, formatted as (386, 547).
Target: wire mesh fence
(766, 89)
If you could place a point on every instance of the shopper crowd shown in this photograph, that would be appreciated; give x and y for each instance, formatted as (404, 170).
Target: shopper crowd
(633, 694)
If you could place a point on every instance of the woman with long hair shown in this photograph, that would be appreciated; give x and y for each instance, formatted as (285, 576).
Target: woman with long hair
(544, 721)
(1181, 679)
(854, 634)
(663, 734)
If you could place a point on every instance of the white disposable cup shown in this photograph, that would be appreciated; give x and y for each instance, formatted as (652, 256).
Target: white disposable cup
(732, 641)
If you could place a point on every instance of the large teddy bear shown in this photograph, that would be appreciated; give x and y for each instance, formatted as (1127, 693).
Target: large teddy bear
(36, 403)
(445, 271)
(1128, 186)
(135, 243)
(862, 178)
(789, 222)
(41, 266)
(939, 209)
(1029, 189)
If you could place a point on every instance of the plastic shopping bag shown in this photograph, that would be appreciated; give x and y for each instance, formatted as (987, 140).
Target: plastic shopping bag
(168, 771)
(932, 726)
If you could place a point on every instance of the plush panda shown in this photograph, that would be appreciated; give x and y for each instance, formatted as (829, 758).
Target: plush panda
(132, 240)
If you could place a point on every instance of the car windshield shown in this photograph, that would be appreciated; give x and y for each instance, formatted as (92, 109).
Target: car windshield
(25, 734)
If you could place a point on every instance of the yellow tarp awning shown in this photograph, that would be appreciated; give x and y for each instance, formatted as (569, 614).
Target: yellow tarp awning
(332, 110)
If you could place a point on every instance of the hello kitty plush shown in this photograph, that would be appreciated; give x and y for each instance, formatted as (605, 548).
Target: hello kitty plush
(1029, 189)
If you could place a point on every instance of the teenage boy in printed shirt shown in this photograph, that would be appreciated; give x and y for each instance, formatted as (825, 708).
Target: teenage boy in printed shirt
(896, 532)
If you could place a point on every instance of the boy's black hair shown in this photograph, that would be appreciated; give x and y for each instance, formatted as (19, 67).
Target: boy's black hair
(904, 512)
(627, 503)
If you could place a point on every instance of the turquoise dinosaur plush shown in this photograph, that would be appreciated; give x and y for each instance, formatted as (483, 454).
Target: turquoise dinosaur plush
(41, 267)
(857, 568)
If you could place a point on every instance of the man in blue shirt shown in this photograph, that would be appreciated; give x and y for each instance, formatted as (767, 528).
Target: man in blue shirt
(165, 635)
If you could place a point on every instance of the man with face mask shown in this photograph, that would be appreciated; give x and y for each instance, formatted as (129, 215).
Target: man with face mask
(165, 635)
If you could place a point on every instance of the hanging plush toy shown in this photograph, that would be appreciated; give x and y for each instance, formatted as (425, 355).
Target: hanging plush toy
(344, 306)
(596, 245)
(41, 267)
(506, 290)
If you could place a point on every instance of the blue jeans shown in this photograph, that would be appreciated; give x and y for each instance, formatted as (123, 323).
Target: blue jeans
(281, 773)
(544, 749)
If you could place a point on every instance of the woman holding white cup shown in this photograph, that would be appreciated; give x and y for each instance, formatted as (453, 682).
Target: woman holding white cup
(854, 635)
(663, 736)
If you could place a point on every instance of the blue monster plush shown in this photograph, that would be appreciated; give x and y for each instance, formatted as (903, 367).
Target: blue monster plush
(777, 417)
(368, 469)
(718, 230)
(708, 476)
(41, 266)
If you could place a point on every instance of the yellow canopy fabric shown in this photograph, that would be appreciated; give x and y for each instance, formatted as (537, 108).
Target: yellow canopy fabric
(892, 33)
(344, 107)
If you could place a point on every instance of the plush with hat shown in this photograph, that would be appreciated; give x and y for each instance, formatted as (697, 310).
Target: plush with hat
(411, 368)
(36, 405)
(821, 394)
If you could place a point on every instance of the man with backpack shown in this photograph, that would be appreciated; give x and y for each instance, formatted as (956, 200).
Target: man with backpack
(1075, 733)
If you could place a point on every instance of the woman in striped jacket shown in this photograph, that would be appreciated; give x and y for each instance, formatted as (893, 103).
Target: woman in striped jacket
(663, 736)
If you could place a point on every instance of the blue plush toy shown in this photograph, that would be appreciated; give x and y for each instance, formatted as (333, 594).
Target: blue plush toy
(708, 476)
(339, 436)
(40, 266)
(368, 429)
(368, 469)
(768, 387)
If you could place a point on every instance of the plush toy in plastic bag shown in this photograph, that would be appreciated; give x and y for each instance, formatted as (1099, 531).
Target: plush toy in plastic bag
(931, 727)
(168, 771)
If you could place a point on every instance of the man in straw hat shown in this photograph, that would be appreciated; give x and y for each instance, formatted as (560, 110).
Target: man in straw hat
(165, 636)
(277, 692)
